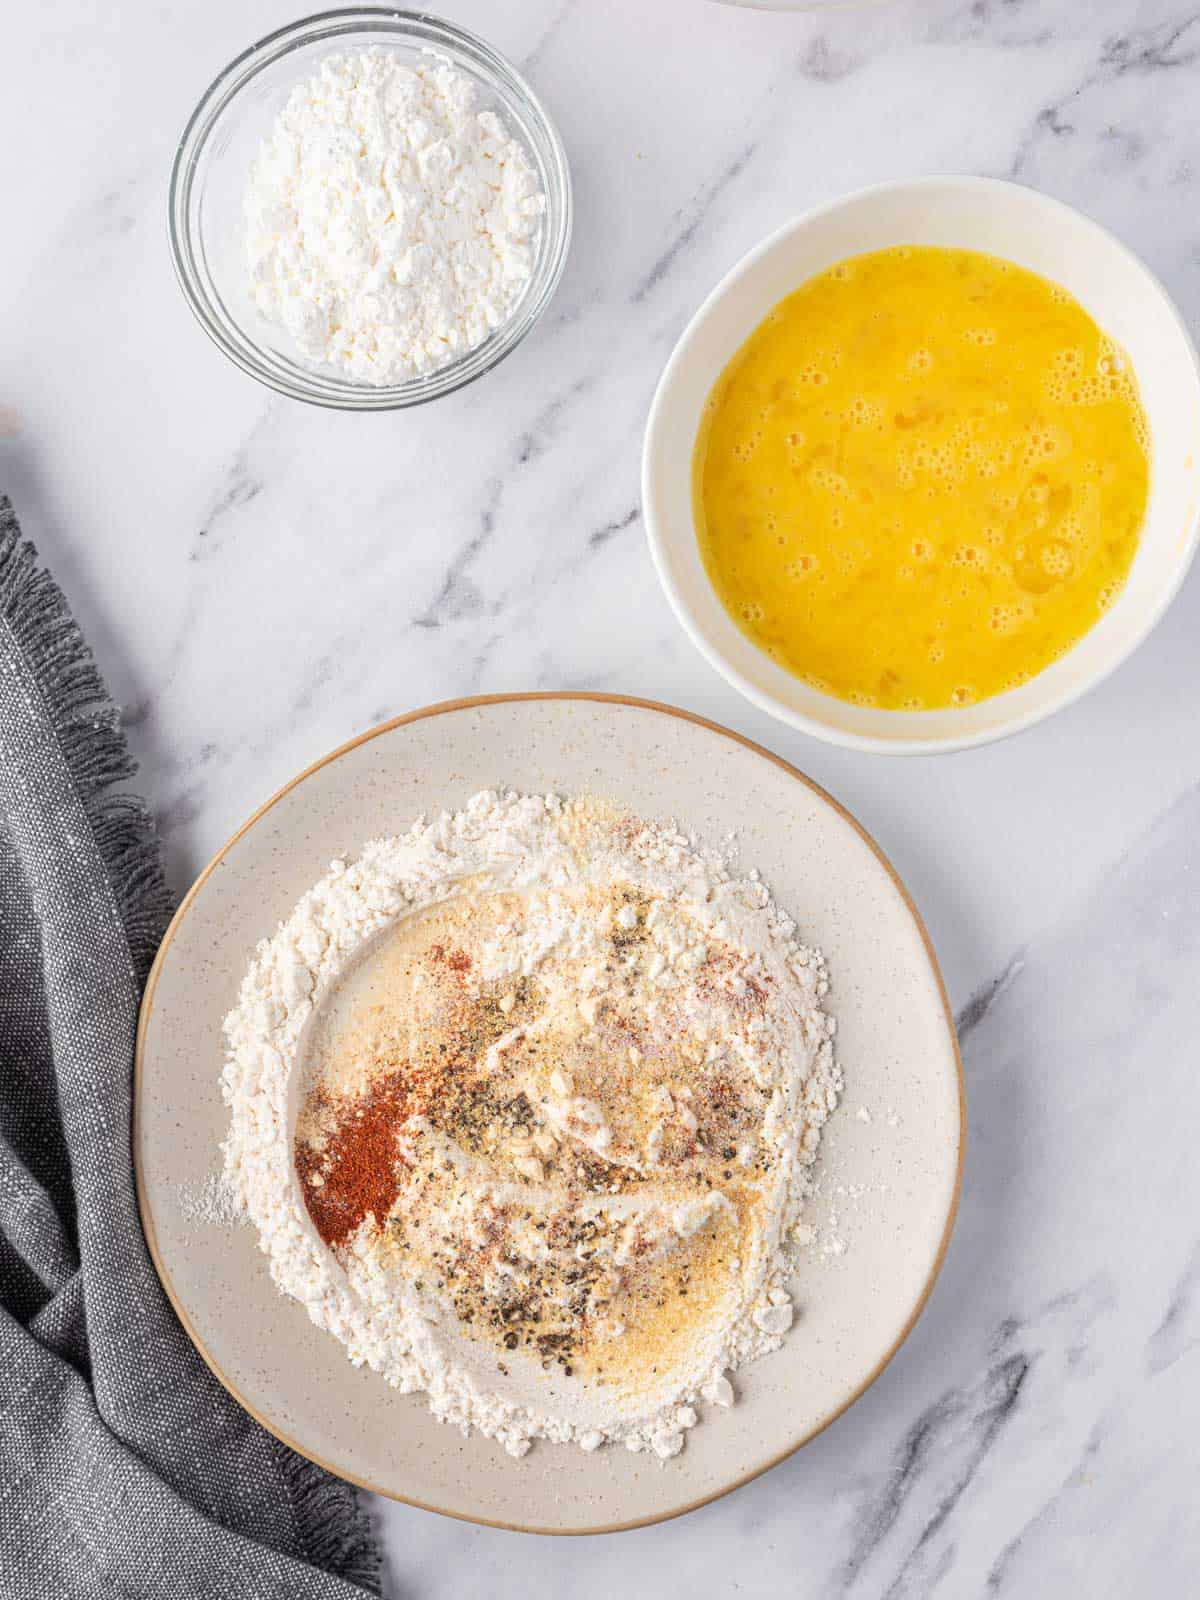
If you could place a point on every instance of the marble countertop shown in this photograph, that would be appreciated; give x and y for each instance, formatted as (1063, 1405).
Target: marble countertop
(263, 580)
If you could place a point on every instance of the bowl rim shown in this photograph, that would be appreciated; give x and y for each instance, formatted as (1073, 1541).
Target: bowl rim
(577, 697)
(660, 544)
(359, 25)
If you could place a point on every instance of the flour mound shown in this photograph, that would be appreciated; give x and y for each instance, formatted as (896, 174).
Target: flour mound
(390, 225)
(524, 1105)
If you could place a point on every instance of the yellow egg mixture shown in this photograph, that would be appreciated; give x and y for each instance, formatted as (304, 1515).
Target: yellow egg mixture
(922, 478)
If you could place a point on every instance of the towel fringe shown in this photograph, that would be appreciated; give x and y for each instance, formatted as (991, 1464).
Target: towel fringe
(88, 728)
(333, 1519)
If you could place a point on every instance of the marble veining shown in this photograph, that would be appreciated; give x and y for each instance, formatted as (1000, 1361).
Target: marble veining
(262, 580)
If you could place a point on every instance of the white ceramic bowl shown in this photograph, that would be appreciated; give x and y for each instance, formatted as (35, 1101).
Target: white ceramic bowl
(1004, 219)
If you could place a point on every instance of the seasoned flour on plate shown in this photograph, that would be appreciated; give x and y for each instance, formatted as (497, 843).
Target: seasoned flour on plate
(524, 1105)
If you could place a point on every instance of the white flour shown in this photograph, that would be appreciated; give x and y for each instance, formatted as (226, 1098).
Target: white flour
(390, 225)
(210, 1201)
(588, 927)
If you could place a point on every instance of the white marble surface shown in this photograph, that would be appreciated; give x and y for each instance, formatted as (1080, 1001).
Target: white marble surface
(261, 581)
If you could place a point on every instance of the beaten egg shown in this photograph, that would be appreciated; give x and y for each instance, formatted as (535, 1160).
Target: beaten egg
(922, 478)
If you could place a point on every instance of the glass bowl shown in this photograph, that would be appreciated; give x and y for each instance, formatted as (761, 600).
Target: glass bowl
(212, 167)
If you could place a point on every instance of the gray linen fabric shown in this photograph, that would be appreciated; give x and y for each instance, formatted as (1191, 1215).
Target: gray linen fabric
(125, 1469)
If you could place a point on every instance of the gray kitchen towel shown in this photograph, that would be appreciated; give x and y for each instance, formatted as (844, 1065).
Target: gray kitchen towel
(125, 1469)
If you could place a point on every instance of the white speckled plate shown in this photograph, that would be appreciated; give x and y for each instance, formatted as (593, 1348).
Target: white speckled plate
(888, 1185)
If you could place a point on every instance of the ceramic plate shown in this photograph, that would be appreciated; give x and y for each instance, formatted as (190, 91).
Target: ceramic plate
(888, 1186)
